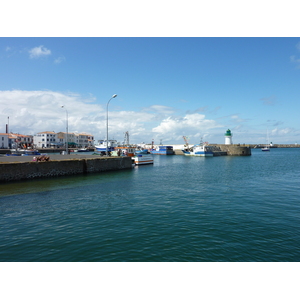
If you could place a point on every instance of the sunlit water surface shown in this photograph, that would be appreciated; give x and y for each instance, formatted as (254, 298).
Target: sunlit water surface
(179, 209)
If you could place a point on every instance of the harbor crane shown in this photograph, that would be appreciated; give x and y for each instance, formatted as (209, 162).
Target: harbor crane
(186, 141)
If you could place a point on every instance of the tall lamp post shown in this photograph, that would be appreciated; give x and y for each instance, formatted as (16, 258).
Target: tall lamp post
(66, 128)
(113, 96)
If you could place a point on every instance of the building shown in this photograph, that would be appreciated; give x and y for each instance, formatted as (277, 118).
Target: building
(228, 137)
(85, 140)
(62, 137)
(46, 139)
(20, 141)
(78, 140)
(4, 141)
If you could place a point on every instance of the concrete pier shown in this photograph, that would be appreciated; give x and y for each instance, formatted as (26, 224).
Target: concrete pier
(22, 167)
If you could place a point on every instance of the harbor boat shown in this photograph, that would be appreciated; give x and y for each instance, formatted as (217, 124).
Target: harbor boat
(141, 151)
(141, 159)
(126, 149)
(163, 150)
(101, 146)
(83, 150)
(123, 151)
(23, 152)
(201, 149)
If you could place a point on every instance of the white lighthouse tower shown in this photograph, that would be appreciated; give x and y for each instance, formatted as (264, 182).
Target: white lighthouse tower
(228, 137)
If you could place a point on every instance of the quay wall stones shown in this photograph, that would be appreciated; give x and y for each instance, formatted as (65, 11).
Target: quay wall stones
(11, 171)
(235, 150)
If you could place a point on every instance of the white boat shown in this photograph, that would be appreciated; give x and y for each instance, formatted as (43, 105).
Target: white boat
(82, 150)
(141, 151)
(143, 159)
(23, 152)
(101, 146)
(201, 149)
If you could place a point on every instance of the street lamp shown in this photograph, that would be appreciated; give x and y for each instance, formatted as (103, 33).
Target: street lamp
(113, 96)
(66, 128)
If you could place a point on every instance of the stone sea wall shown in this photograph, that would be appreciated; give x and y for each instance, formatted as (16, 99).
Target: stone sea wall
(10, 171)
(235, 150)
(222, 149)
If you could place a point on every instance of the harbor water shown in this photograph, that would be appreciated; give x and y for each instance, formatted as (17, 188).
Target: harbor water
(180, 209)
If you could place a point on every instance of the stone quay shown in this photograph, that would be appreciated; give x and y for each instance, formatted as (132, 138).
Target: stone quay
(14, 168)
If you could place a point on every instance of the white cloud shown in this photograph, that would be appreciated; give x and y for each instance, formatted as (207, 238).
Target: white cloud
(237, 119)
(39, 52)
(280, 132)
(194, 125)
(34, 111)
(59, 60)
(295, 60)
(31, 112)
(160, 109)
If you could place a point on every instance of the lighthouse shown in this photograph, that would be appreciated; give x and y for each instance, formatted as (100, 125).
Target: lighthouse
(228, 137)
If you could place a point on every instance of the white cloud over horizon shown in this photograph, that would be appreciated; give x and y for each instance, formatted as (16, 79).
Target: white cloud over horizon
(31, 112)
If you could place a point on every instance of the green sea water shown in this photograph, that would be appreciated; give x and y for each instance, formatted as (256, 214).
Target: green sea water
(181, 209)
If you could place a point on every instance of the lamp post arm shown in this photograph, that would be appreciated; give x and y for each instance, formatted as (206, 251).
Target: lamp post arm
(113, 96)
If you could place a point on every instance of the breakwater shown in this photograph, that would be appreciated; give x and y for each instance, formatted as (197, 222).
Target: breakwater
(20, 170)
(230, 150)
(234, 150)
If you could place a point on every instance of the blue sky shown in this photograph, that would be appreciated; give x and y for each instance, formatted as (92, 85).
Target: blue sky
(167, 87)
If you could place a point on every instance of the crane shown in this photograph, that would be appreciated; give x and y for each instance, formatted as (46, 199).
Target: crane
(186, 141)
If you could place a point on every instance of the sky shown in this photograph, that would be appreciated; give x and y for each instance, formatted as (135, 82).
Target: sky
(178, 70)
(167, 87)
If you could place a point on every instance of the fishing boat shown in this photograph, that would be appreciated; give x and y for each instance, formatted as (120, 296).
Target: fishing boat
(141, 151)
(141, 159)
(124, 150)
(23, 152)
(202, 149)
(101, 146)
(163, 150)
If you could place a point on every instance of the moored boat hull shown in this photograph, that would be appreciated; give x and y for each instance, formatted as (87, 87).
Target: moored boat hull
(143, 159)
(199, 150)
(163, 150)
(209, 154)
